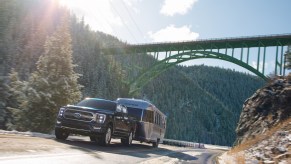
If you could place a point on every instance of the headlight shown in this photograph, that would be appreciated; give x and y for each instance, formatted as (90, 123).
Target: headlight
(61, 112)
(100, 118)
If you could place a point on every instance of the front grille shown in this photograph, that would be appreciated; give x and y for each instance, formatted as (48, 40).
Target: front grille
(78, 115)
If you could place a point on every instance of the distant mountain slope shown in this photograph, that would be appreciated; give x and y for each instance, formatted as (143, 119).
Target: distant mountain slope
(201, 107)
(229, 86)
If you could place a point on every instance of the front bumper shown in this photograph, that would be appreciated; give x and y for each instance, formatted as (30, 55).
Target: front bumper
(79, 127)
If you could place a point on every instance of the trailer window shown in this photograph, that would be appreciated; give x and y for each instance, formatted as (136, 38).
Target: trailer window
(134, 112)
(148, 116)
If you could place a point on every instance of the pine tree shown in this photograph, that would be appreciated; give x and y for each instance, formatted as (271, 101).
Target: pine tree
(53, 85)
(3, 101)
(16, 97)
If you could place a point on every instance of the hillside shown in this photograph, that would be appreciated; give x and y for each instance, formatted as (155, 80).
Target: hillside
(202, 103)
(199, 108)
(263, 131)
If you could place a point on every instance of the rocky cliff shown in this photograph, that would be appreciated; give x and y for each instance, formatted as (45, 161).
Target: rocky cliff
(269, 106)
(264, 128)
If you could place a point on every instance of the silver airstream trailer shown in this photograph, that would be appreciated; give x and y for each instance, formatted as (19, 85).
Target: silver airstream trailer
(151, 122)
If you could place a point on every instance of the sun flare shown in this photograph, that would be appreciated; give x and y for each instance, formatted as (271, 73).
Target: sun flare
(97, 13)
(84, 4)
(70, 3)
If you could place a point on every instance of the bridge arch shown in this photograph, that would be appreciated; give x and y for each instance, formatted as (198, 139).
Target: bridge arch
(170, 61)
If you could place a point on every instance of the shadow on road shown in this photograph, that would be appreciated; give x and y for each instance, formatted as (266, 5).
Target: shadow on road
(136, 149)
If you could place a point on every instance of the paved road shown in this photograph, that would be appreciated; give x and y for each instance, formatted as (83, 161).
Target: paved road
(30, 150)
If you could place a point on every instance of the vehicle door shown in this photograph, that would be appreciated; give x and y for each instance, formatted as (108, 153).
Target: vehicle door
(118, 119)
(121, 119)
(126, 122)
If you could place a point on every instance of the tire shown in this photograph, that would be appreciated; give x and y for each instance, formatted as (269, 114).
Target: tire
(106, 137)
(61, 134)
(93, 139)
(156, 144)
(128, 140)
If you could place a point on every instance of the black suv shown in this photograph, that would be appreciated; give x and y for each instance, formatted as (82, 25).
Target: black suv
(98, 118)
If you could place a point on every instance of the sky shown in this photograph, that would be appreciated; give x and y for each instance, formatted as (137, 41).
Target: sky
(148, 21)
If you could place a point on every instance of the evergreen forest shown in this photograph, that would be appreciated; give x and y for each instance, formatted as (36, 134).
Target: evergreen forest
(50, 58)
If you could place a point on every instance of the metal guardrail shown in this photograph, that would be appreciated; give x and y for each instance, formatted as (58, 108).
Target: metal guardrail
(183, 143)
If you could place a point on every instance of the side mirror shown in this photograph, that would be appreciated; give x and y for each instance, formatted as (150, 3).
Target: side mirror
(118, 109)
(121, 108)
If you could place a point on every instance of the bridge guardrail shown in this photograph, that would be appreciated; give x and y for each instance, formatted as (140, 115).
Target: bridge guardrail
(216, 39)
(183, 143)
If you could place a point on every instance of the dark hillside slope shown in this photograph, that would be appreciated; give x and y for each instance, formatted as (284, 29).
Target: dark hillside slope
(201, 107)
(230, 87)
(193, 114)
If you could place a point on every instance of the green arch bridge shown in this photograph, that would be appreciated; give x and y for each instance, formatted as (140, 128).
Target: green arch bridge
(234, 50)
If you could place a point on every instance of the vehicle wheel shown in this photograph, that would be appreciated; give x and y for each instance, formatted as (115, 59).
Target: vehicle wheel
(106, 138)
(93, 139)
(127, 141)
(156, 144)
(61, 134)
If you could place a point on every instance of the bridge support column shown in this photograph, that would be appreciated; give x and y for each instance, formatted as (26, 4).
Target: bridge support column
(258, 61)
(276, 61)
(264, 59)
(248, 55)
(241, 54)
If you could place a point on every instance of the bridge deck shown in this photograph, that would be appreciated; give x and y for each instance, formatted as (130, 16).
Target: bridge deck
(240, 42)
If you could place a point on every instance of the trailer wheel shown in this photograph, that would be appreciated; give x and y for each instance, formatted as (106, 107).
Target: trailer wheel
(93, 138)
(156, 144)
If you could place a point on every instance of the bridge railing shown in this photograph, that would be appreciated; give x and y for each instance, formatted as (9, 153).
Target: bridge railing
(217, 39)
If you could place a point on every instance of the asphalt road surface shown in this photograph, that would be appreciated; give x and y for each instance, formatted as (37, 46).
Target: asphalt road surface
(23, 149)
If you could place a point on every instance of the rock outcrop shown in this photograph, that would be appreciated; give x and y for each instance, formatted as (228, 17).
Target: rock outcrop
(264, 128)
(276, 148)
(267, 107)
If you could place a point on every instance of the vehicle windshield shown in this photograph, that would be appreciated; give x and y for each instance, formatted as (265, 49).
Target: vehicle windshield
(98, 104)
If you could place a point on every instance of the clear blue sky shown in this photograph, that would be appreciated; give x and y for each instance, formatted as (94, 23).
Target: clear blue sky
(144, 21)
(210, 18)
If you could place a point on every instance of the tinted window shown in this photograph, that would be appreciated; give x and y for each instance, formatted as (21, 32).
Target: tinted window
(134, 112)
(148, 116)
(98, 104)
